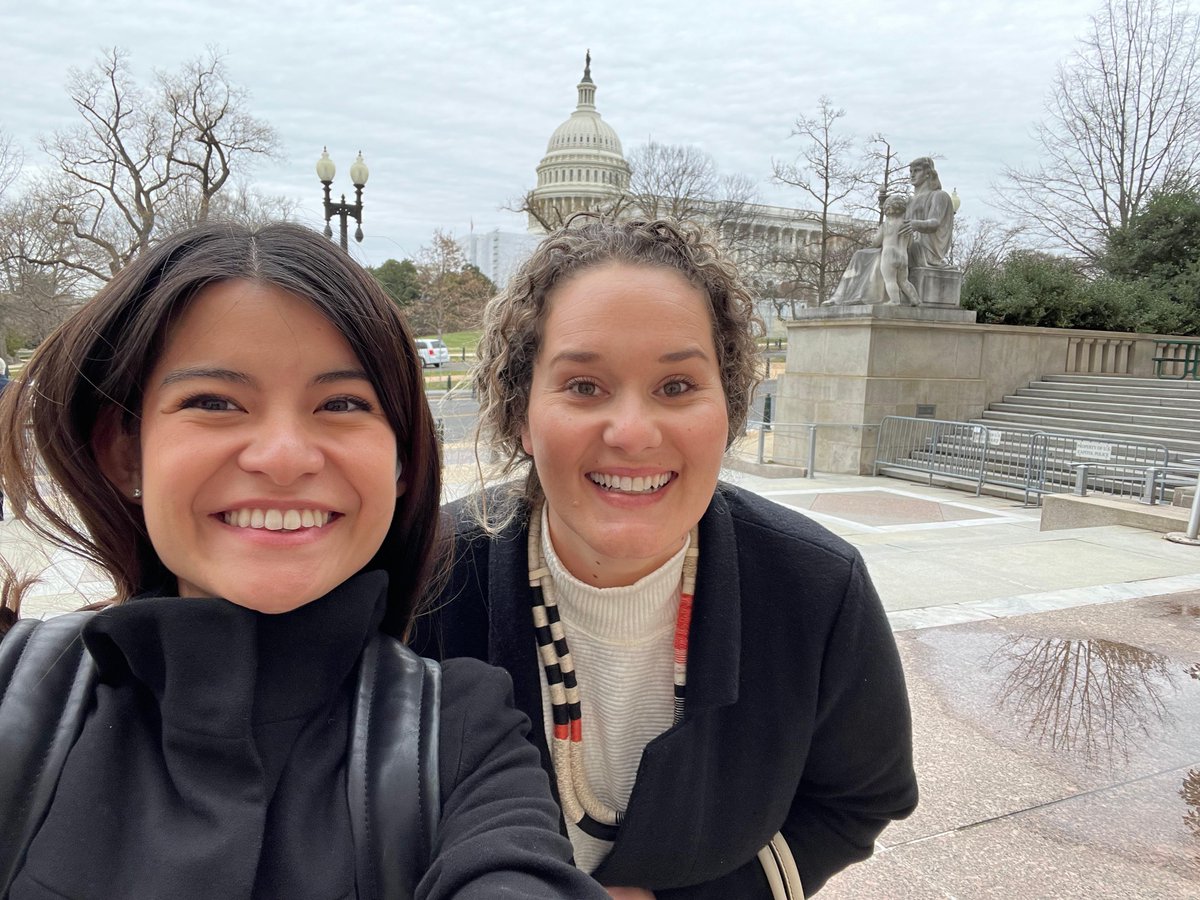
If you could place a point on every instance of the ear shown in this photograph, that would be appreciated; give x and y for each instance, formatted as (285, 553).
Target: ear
(526, 440)
(119, 452)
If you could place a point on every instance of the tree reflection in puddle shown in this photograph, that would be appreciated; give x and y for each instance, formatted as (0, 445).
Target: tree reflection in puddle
(1190, 792)
(1091, 697)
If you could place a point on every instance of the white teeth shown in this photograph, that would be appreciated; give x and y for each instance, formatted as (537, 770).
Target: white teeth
(277, 519)
(646, 484)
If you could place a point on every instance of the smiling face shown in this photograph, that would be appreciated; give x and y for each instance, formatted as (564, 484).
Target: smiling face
(627, 419)
(267, 467)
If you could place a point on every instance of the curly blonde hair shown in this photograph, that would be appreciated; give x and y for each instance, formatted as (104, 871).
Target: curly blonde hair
(513, 320)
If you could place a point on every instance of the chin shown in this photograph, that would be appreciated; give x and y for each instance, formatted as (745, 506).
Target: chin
(273, 598)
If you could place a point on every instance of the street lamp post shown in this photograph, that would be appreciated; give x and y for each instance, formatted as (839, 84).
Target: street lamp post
(358, 175)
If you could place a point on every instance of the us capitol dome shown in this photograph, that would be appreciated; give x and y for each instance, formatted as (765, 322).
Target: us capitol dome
(584, 167)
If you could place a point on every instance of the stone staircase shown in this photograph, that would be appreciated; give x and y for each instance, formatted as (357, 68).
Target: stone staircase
(1114, 420)
(1107, 407)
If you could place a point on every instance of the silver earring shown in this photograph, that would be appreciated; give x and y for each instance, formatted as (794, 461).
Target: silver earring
(137, 493)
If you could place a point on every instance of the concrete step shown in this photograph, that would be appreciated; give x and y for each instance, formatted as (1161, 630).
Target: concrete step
(1109, 402)
(1125, 381)
(1177, 440)
(1137, 387)
(1114, 416)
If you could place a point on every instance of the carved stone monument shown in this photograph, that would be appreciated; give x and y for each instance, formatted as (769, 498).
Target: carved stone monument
(922, 229)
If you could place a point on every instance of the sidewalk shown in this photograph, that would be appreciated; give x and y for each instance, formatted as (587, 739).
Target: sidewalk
(1054, 679)
(1055, 684)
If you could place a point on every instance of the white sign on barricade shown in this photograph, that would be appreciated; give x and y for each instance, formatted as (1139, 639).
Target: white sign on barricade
(1093, 450)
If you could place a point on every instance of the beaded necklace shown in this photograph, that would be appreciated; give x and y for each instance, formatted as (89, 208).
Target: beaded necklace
(580, 804)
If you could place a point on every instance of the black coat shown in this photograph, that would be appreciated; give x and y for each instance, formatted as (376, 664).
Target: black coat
(213, 764)
(797, 716)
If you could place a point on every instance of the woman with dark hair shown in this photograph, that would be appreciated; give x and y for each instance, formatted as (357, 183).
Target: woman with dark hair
(714, 686)
(238, 425)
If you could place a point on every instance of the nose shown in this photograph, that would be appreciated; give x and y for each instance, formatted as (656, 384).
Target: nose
(282, 449)
(633, 425)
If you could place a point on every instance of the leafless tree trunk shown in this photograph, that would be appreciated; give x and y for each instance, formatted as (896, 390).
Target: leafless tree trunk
(826, 171)
(1123, 118)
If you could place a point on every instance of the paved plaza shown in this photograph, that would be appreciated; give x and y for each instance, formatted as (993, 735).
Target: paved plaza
(1055, 685)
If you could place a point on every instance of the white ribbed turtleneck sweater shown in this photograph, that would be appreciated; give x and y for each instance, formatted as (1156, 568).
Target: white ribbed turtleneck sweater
(622, 644)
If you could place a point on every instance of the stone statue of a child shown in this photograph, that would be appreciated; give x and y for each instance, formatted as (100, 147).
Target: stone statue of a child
(893, 240)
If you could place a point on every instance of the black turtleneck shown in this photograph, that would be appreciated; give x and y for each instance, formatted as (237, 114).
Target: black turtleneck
(217, 740)
(212, 764)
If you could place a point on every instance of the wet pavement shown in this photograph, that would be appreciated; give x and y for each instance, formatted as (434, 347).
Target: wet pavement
(1054, 679)
(1059, 756)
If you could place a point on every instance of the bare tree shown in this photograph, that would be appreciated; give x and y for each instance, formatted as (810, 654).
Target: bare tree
(672, 181)
(210, 128)
(1123, 118)
(829, 173)
(881, 157)
(983, 243)
(452, 291)
(10, 162)
(551, 213)
(33, 298)
(142, 160)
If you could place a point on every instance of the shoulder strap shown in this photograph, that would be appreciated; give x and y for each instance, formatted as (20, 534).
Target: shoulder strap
(392, 775)
(46, 680)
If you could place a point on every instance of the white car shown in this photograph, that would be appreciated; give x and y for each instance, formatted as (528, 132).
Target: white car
(432, 352)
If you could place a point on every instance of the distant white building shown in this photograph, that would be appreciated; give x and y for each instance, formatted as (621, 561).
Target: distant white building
(496, 253)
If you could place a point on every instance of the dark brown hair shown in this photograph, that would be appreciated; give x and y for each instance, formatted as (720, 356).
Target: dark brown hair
(98, 361)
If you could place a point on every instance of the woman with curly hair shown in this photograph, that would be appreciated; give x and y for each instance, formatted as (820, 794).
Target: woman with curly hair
(714, 687)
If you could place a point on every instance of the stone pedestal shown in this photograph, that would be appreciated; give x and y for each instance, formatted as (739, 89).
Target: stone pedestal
(884, 312)
(849, 366)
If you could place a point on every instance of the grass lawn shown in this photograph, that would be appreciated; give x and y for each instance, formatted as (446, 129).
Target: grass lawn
(456, 340)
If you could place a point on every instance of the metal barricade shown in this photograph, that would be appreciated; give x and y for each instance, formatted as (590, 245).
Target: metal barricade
(1034, 462)
(956, 450)
(1059, 463)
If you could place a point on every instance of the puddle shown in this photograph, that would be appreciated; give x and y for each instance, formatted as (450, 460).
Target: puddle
(1082, 704)
(1093, 698)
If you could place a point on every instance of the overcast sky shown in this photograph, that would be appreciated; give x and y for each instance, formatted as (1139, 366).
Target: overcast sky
(452, 102)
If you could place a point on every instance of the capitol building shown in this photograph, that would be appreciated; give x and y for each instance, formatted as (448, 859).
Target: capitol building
(584, 169)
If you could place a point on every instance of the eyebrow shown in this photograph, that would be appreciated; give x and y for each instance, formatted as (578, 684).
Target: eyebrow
(236, 377)
(588, 356)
